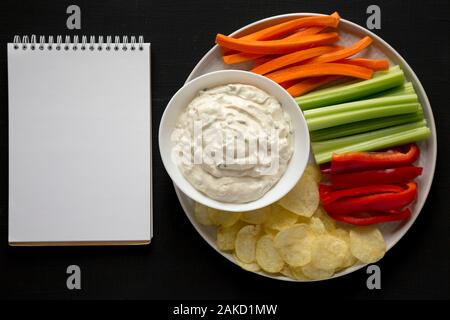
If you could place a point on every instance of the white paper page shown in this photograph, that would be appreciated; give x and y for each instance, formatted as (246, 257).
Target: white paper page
(79, 145)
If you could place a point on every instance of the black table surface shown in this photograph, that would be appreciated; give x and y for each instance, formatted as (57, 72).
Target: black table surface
(179, 264)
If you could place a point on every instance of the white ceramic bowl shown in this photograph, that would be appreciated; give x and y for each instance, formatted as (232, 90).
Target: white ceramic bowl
(184, 96)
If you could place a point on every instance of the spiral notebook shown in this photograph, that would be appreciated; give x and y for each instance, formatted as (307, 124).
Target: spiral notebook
(79, 141)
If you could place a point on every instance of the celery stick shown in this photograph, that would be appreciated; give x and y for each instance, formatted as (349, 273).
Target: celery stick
(379, 143)
(322, 146)
(406, 88)
(359, 115)
(364, 126)
(388, 80)
(369, 103)
(332, 87)
(399, 92)
(378, 74)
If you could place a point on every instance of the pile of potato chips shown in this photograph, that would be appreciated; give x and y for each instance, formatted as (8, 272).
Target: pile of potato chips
(294, 237)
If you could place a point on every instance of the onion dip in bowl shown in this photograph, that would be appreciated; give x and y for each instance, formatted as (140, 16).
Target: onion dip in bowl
(234, 142)
(243, 105)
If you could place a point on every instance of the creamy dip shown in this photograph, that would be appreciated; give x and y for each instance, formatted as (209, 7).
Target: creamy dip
(235, 142)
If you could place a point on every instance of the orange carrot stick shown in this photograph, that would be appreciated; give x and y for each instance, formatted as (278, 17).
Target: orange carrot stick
(261, 61)
(305, 32)
(292, 25)
(275, 46)
(288, 84)
(308, 85)
(291, 58)
(241, 57)
(320, 69)
(336, 16)
(310, 30)
(373, 64)
(231, 58)
(272, 32)
(344, 53)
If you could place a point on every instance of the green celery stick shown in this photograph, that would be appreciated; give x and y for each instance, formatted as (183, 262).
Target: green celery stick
(362, 104)
(350, 82)
(406, 88)
(330, 96)
(340, 118)
(332, 144)
(364, 126)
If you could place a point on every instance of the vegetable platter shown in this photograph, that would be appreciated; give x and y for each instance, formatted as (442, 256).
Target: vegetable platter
(362, 54)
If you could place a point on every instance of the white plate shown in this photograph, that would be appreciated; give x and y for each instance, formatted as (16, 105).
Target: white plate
(349, 33)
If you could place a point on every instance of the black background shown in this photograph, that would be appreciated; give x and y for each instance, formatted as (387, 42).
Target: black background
(179, 264)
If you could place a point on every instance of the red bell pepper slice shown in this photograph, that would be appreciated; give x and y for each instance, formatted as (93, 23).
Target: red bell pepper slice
(373, 218)
(359, 161)
(373, 203)
(327, 195)
(374, 177)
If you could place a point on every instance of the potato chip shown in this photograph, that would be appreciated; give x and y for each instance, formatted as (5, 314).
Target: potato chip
(349, 259)
(328, 222)
(252, 266)
(223, 218)
(317, 226)
(201, 214)
(303, 199)
(267, 255)
(300, 245)
(280, 218)
(301, 219)
(286, 271)
(245, 243)
(298, 274)
(314, 273)
(270, 231)
(341, 234)
(367, 244)
(329, 252)
(295, 244)
(256, 216)
(313, 170)
(226, 236)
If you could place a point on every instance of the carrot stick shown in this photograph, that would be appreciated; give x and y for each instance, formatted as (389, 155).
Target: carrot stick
(231, 58)
(308, 85)
(336, 16)
(275, 46)
(291, 58)
(277, 30)
(344, 53)
(305, 32)
(261, 61)
(287, 27)
(320, 69)
(375, 65)
(241, 57)
(310, 30)
(288, 84)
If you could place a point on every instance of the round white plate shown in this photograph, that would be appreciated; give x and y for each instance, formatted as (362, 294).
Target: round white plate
(349, 33)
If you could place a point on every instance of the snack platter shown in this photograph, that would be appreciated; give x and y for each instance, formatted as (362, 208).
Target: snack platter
(349, 33)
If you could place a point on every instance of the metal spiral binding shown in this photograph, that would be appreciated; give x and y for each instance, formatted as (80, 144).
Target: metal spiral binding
(26, 42)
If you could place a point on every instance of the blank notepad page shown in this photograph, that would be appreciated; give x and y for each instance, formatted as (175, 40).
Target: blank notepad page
(79, 144)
